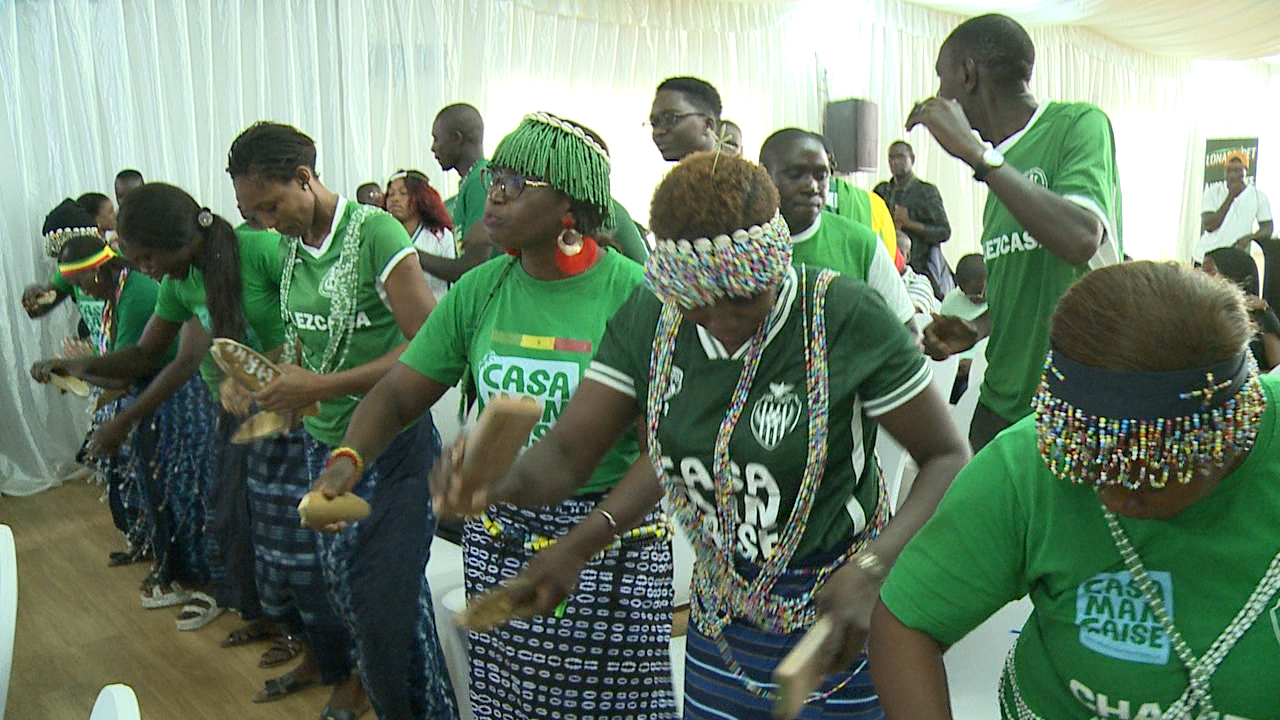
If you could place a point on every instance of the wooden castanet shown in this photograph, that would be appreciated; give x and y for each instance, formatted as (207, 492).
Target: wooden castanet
(497, 607)
(802, 670)
(503, 428)
(318, 512)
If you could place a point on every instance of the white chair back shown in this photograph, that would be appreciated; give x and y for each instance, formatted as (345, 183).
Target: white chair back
(975, 663)
(898, 468)
(677, 672)
(116, 702)
(682, 565)
(962, 411)
(8, 609)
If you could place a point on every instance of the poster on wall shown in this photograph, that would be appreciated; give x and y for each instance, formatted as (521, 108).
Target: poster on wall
(1218, 150)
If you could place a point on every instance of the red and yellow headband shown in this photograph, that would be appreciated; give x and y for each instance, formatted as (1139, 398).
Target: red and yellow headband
(95, 260)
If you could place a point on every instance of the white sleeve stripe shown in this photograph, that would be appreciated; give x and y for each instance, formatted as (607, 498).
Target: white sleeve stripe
(903, 394)
(610, 378)
(1109, 249)
(394, 261)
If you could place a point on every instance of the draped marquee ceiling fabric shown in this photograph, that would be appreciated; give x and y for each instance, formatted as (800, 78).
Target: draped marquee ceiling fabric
(1191, 29)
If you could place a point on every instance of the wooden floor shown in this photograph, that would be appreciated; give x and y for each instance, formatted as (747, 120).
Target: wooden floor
(80, 627)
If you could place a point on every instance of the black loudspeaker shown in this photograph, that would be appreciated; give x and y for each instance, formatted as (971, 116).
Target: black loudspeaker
(851, 126)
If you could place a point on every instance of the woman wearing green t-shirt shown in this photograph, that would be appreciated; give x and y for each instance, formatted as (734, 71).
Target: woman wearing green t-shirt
(228, 283)
(167, 452)
(761, 386)
(1137, 507)
(350, 301)
(527, 323)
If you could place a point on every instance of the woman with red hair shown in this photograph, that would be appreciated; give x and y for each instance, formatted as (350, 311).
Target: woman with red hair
(411, 200)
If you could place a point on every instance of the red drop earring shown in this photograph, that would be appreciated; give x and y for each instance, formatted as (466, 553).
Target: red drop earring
(574, 251)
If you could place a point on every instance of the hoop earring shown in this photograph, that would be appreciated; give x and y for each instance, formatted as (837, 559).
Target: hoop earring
(575, 253)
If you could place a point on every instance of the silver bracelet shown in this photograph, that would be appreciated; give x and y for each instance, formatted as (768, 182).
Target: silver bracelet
(613, 523)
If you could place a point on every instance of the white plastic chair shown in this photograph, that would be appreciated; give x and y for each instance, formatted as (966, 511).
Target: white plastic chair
(898, 468)
(116, 702)
(8, 609)
(677, 672)
(974, 664)
(962, 411)
(455, 645)
(682, 565)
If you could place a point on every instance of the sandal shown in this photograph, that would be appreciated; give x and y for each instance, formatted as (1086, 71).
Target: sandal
(200, 611)
(285, 648)
(118, 558)
(283, 686)
(159, 595)
(260, 629)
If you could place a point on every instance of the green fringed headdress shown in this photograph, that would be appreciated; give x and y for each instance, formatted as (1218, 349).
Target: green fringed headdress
(548, 148)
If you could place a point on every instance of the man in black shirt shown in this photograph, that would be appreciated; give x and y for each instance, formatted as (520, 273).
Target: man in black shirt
(918, 212)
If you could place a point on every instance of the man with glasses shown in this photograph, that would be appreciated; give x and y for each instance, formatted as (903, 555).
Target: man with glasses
(685, 117)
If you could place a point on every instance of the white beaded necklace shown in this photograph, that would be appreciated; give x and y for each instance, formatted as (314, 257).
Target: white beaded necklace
(342, 306)
(1197, 696)
(1201, 669)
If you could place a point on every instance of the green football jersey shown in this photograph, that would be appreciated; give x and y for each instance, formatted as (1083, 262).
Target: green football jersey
(874, 368)
(1093, 647)
(383, 243)
(1068, 148)
(513, 334)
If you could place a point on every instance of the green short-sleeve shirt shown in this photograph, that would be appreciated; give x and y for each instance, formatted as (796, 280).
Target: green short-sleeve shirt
(1007, 527)
(517, 335)
(260, 267)
(132, 312)
(874, 368)
(383, 244)
(1068, 148)
(625, 233)
(89, 307)
(468, 204)
(849, 248)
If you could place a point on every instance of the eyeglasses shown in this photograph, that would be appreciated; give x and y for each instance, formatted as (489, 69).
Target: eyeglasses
(511, 185)
(667, 119)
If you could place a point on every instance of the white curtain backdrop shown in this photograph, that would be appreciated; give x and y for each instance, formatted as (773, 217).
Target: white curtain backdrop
(94, 86)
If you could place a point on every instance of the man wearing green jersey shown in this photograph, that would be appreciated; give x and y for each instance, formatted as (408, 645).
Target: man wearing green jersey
(1053, 212)
(457, 141)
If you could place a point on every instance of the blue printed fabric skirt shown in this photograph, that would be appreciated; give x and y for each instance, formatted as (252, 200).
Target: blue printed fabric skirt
(126, 495)
(290, 579)
(168, 455)
(609, 656)
(375, 570)
(712, 690)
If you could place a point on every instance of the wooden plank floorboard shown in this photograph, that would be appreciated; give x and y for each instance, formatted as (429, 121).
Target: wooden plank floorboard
(80, 627)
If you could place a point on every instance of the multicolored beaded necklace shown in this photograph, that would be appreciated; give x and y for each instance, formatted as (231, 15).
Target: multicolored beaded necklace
(720, 593)
(108, 331)
(342, 306)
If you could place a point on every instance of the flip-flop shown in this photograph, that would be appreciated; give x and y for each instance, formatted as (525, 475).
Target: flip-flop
(283, 686)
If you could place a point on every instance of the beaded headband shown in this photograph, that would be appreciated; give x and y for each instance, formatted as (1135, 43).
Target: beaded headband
(96, 260)
(1143, 429)
(54, 240)
(579, 168)
(698, 273)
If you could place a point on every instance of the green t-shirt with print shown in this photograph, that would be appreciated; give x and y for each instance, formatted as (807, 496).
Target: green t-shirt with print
(260, 268)
(625, 233)
(89, 307)
(1068, 148)
(517, 335)
(382, 243)
(875, 369)
(1007, 527)
(468, 204)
